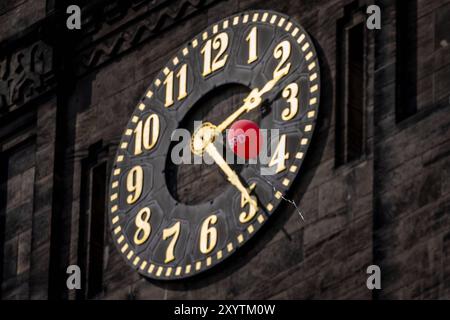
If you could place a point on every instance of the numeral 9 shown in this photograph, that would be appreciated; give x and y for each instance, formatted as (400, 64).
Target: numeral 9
(280, 156)
(146, 134)
(135, 179)
(208, 235)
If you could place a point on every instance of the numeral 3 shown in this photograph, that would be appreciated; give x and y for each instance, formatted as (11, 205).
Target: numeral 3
(291, 94)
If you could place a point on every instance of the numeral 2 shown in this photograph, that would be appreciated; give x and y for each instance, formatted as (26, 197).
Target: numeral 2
(282, 52)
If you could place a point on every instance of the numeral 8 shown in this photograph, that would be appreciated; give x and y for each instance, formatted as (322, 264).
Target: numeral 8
(143, 226)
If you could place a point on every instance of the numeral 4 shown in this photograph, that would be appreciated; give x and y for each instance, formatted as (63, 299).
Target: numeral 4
(280, 156)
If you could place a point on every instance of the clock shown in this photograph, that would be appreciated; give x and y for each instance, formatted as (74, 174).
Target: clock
(164, 237)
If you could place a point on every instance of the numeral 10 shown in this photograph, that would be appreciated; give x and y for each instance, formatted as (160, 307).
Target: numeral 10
(146, 134)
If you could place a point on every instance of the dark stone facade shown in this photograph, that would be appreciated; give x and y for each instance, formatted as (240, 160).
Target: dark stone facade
(66, 96)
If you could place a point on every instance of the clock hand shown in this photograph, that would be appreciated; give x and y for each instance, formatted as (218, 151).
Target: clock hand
(252, 101)
(204, 136)
(231, 175)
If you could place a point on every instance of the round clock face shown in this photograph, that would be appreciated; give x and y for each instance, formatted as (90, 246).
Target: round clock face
(168, 220)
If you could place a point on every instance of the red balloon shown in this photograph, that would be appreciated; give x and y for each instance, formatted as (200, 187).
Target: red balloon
(244, 139)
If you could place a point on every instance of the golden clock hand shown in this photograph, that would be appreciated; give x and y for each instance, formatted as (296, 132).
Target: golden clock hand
(231, 175)
(252, 101)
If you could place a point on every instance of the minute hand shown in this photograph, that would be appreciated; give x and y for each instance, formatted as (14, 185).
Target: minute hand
(231, 175)
(252, 101)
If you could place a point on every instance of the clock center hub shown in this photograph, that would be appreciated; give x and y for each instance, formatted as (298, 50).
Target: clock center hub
(202, 137)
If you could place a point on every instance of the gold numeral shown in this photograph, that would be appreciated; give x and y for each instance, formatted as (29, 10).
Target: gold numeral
(182, 86)
(291, 94)
(220, 43)
(135, 179)
(245, 217)
(173, 232)
(143, 226)
(282, 52)
(280, 156)
(146, 134)
(208, 235)
(252, 40)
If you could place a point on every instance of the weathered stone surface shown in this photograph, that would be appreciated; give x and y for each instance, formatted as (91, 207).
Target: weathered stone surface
(390, 207)
(17, 15)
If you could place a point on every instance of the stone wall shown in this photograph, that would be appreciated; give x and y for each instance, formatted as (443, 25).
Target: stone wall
(389, 207)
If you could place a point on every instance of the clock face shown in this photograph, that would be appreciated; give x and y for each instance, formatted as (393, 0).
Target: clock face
(272, 61)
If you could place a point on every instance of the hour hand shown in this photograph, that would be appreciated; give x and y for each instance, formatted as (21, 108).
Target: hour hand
(252, 101)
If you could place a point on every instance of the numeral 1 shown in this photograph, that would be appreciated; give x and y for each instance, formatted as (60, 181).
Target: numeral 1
(252, 40)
